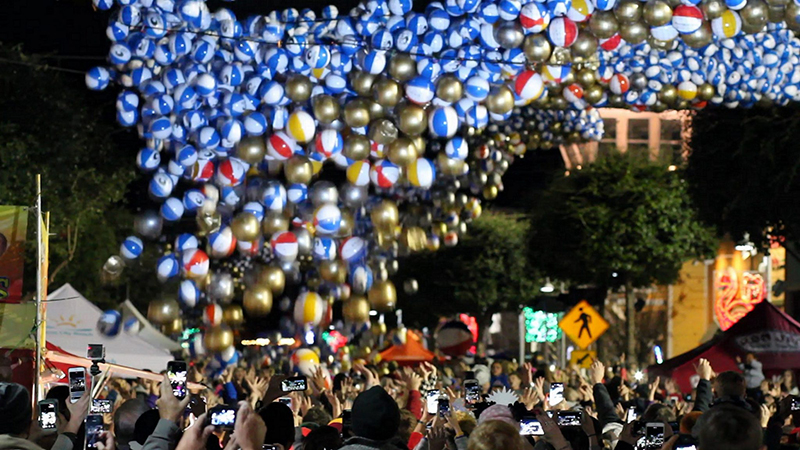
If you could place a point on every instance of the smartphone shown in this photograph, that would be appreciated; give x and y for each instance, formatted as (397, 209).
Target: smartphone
(48, 414)
(77, 383)
(654, 435)
(96, 352)
(529, 426)
(556, 393)
(569, 419)
(94, 426)
(286, 401)
(176, 371)
(269, 447)
(686, 442)
(100, 406)
(472, 392)
(433, 401)
(197, 405)
(469, 375)
(443, 406)
(795, 403)
(292, 384)
(632, 414)
(222, 416)
(686, 447)
(347, 422)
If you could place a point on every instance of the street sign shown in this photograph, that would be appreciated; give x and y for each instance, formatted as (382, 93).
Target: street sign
(583, 324)
(582, 358)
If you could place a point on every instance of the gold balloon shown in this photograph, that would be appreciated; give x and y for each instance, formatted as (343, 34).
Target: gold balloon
(585, 77)
(411, 119)
(298, 88)
(163, 311)
(251, 149)
(658, 44)
(558, 103)
(356, 147)
(356, 310)
(699, 38)
(257, 300)
(490, 192)
(628, 11)
(713, 8)
(174, 327)
(382, 296)
(362, 82)
(298, 169)
(378, 329)
(414, 238)
(790, 12)
(537, 48)
(326, 109)
(706, 91)
(617, 101)
(402, 67)
(754, 14)
(402, 151)
(232, 315)
(668, 94)
(218, 338)
(780, 3)
(207, 223)
(346, 225)
(500, 100)
(449, 89)
(658, 106)
(273, 279)
(333, 271)
(776, 14)
(356, 113)
(748, 28)
(634, 32)
(657, 13)
(245, 227)
(376, 111)
(585, 46)
(382, 131)
(603, 24)
(384, 215)
(449, 166)
(274, 222)
(387, 92)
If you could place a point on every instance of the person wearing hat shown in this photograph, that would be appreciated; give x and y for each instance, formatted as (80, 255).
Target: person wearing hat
(375, 419)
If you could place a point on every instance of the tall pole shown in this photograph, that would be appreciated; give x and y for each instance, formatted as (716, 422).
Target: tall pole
(39, 291)
(521, 321)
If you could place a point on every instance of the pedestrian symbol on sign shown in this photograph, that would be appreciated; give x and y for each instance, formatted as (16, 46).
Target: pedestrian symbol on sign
(585, 320)
(583, 324)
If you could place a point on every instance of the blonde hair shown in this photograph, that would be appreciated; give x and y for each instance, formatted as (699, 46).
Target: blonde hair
(495, 435)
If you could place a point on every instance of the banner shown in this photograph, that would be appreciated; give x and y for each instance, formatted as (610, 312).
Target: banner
(13, 225)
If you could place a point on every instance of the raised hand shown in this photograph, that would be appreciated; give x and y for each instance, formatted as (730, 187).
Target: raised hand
(598, 372)
(170, 407)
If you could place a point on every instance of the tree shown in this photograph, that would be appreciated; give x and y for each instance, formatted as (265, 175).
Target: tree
(743, 171)
(486, 273)
(621, 222)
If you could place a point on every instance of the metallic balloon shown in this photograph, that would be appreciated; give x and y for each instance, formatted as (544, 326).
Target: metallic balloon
(402, 67)
(411, 119)
(449, 89)
(114, 266)
(376, 111)
(207, 223)
(298, 169)
(258, 300)
(274, 222)
(163, 311)
(382, 296)
(245, 227)
(346, 225)
(333, 271)
(585, 46)
(754, 14)
(638, 81)
(387, 92)
(500, 100)
(776, 14)
(659, 44)
(402, 151)
(382, 131)
(657, 13)
(356, 147)
(298, 88)
(634, 32)
(384, 215)
(305, 243)
(323, 193)
(713, 8)
(490, 192)
(419, 144)
(699, 38)
(326, 109)
(251, 149)
(706, 91)
(361, 82)
(410, 286)
(537, 48)
(780, 3)
(292, 268)
(585, 77)
(628, 11)
(148, 224)
(603, 24)
(449, 166)
(413, 238)
(356, 310)
(218, 338)
(558, 103)
(356, 113)
(272, 278)
(668, 94)
(232, 315)
(353, 196)
(221, 287)
(748, 28)
(509, 34)
(173, 328)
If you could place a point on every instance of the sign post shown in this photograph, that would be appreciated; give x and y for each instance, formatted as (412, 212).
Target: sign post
(583, 324)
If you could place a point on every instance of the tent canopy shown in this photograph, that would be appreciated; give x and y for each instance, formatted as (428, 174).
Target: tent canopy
(72, 326)
(410, 352)
(766, 331)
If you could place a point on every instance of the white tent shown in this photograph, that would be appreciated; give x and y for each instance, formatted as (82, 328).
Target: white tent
(72, 325)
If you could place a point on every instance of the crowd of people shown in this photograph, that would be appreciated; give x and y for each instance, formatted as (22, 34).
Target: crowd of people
(427, 407)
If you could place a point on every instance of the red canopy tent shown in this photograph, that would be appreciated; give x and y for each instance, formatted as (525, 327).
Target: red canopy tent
(412, 352)
(766, 331)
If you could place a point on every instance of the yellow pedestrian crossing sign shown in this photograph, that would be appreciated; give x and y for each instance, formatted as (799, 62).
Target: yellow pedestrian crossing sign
(582, 358)
(583, 324)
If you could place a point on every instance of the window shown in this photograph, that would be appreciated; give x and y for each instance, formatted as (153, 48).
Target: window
(671, 130)
(638, 130)
(610, 129)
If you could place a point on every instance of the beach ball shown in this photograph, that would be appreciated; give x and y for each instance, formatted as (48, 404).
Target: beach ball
(457, 148)
(255, 124)
(189, 293)
(353, 249)
(284, 245)
(555, 73)
(161, 186)
(185, 241)
(454, 338)
(304, 361)
(324, 248)
(562, 32)
(212, 314)
(580, 10)
(383, 174)
(186, 156)
(619, 84)
(205, 85)
(273, 196)
(605, 5)
(97, 78)
(573, 93)
(664, 32)
(327, 219)
(148, 160)
(687, 18)
(301, 126)
(728, 25)
(192, 200)
(358, 173)
(529, 85)
(329, 143)
(194, 263)
(735, 4)
(421, 173)
(231, 172)
(534, 17)
(611, 43)
(443, 122)
(167, 267)
(221, 243)
(297, 193)
(109, 323)
(309, 309)
(131, 247)
(361, 278)
(281, 146)
(687, 90)
(478, 116)
(172, 209)
(420, 90)
(476, 88)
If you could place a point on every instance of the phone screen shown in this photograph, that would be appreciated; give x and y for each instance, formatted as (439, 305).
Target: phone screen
(795, 403)
(224, 417)
(77, 383)
(443, 407)
(286, 401)
(530, 427)
(472, 392)
(96, 352)
(654, 435)
(632, 415)
(294, 384)
(176, 371)
(686, 447)
(556, 393)
(433, 401)
(569, 419)
(48, 414)
(100, 406)
(94, 426)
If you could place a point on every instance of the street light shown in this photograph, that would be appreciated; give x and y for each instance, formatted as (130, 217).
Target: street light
(548, 287)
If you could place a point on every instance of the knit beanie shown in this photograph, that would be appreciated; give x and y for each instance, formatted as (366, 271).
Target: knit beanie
(375, 415)
(15, 408)
(498, 412)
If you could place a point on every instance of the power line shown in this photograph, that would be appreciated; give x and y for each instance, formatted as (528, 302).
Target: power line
(41, 66)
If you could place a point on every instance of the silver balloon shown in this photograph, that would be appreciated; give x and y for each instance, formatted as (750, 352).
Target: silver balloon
(324, 192)
(147, 224)
(638, 81)
(292, 271)
(353, 196)
(509, 35)
(305, 243)
(284, 304)
(410, 286)
(114, 266)
(220, 288)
